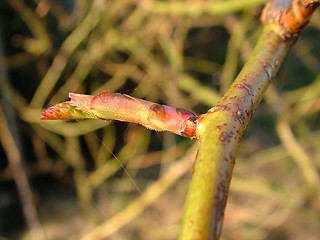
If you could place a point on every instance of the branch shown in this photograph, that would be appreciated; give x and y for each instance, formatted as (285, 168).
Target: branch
(23, 187)
(220, 130)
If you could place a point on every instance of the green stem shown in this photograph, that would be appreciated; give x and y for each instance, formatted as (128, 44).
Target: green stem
(220, 131)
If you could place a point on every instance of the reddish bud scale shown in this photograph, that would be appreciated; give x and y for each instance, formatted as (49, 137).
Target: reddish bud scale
(296, 16)
(63, 111)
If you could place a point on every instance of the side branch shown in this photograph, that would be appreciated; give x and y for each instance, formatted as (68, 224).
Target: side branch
(115, 106)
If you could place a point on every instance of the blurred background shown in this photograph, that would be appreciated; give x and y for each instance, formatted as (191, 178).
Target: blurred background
(60, 180)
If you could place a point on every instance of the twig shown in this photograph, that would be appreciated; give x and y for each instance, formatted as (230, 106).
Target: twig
(68, 47)
(20, 178)
(10, 142)
(150, 195)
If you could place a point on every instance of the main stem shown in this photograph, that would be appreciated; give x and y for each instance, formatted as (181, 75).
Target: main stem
(220, 131)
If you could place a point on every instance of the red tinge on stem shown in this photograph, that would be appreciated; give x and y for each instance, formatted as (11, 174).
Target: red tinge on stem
(122, 107)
